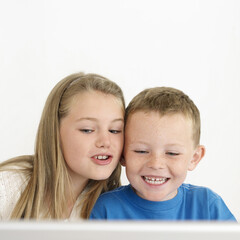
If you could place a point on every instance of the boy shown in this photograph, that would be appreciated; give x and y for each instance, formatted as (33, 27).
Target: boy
(162, 135)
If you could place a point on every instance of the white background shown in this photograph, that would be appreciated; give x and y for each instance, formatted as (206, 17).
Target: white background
(187, 44)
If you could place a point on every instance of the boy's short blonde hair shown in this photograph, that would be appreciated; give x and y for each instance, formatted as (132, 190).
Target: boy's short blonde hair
(166, 100)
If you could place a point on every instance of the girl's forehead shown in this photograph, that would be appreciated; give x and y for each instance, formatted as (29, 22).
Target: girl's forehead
(94, 103)
(87, 95)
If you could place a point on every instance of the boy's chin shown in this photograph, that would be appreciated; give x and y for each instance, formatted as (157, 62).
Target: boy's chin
(158, 197)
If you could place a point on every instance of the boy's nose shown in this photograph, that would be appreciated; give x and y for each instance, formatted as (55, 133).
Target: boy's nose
(103, 140)
(157, 162)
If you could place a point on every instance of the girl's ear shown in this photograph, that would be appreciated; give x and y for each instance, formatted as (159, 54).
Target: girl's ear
(197, 156)
(122, 161)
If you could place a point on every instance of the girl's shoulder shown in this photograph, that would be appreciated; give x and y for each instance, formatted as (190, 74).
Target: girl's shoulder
(12, 184)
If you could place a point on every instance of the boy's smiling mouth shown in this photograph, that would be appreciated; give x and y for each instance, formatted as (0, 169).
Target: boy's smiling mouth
(155, 180)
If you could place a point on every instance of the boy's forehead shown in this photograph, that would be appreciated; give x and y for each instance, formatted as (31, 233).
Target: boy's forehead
(155, 118)
(152, 128)
(152, 113)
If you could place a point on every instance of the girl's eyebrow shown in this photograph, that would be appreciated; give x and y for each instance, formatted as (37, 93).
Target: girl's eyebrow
(95, 119)
(118, 119)
(86, 118)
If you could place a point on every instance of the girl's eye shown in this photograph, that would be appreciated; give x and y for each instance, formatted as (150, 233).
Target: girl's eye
(115, 131)
(86, 130)
(140, 151)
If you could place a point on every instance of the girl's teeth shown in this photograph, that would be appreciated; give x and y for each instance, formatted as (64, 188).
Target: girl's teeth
(104, 157)
(155, 180)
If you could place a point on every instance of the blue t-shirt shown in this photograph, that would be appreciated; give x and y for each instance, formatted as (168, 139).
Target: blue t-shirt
(190, 203)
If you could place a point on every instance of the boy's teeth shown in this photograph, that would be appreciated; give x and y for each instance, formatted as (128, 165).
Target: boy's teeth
(100, 157)
(155, 180)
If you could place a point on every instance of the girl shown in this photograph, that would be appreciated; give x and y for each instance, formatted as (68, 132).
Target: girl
(78, 147)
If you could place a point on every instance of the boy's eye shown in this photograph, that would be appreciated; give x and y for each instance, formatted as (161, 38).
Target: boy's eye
(115, 131)
(86, 130)
(140, 151)
(172, 153)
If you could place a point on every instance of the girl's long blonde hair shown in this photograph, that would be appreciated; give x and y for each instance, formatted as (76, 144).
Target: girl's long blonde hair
(48, 181)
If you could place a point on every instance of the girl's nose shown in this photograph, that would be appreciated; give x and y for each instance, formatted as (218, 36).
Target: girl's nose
(103, 140)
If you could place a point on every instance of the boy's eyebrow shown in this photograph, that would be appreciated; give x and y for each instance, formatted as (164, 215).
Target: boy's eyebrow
(145, 143)
(95, 119)
(175, 144)
(138, 142)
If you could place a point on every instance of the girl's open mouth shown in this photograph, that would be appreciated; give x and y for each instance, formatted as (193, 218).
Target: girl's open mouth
(102, 159)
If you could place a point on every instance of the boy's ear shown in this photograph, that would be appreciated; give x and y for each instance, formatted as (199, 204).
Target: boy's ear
(122, 161)
(197, 156)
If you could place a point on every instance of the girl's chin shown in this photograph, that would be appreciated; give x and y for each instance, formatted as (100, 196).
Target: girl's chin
(101, 177)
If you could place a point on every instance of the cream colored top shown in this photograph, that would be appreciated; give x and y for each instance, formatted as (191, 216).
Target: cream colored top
(12, 184)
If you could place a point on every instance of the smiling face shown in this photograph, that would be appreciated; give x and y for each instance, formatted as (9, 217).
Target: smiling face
(92, 136)
(158, 152)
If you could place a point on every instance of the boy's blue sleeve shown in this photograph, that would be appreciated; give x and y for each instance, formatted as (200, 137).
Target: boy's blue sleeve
(219, 211)
(98, 211)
